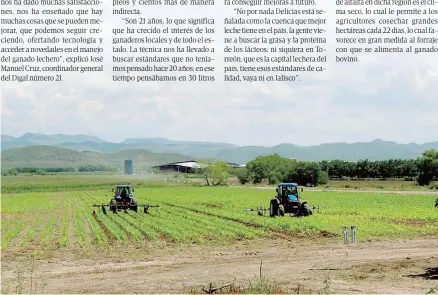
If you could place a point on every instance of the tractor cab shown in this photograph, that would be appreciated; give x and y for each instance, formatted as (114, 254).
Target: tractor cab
(288, 200)
(123, 193)
(287, 192)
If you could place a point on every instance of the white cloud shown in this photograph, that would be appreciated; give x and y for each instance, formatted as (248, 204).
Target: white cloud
(90, 109)
(389, 96)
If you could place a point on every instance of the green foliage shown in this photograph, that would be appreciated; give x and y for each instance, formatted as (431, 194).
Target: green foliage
(216, 171)
(12, 171)
(219, 172)
(271, 167)
(322, 177)
(51, 183)
(428, 167)
(305, 173)
(242, 175)
(42, 171)
(274, 169)
(98, 168)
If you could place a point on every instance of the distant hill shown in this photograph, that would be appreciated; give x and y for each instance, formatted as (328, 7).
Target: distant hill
(8, 142)
(375, 150)
(158, 145)
(51, 156)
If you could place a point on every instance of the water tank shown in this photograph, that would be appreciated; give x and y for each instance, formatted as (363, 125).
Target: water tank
(129, 169)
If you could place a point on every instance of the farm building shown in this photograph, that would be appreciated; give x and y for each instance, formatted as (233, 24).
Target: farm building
(185, 166)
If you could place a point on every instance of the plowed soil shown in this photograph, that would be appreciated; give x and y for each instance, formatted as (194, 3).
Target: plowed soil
(313, 266)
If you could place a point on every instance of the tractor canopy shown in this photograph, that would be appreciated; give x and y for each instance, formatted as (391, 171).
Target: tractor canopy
(123, 188)
(289, 190)
(289, 184)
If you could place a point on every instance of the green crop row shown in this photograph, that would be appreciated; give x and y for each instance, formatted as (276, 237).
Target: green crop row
(203, 215)
(53, 183)
(373, 214)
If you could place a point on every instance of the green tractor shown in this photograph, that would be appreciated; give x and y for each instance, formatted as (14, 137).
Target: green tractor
(123, 199)
(288, 201)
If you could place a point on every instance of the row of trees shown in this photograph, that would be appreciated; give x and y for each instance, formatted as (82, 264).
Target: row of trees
(38, 171)
(275, 169)
(47, 170)
(98, 168)
(42, 171)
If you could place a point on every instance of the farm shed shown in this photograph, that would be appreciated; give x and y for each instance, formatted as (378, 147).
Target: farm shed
(185, 167)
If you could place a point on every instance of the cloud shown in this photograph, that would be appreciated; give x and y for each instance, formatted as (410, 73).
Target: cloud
(390, 96)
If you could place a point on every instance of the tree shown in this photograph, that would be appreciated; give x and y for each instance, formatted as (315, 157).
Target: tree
(13, 171)
(217, 171)
(428, 167)
(410, 168)
(272, 168)
(363, 169)
(336, 169)
(202, 169)
(243, 175)
(307, 173)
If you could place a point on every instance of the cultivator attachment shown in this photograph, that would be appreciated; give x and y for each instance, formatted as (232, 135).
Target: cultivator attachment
(118, 207)
(261, 210)
(315, 207)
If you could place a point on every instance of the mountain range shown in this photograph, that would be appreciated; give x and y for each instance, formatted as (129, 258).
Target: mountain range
(63, 149)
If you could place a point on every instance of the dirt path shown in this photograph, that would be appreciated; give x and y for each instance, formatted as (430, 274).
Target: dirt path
(382, 267)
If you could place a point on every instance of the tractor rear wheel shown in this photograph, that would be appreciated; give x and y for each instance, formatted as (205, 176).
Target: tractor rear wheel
(273, 208)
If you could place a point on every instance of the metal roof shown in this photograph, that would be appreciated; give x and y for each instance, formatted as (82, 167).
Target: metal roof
(189, 164)
(175, 163)
(192, 164)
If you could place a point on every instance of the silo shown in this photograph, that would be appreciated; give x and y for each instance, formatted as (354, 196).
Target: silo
(129, 169)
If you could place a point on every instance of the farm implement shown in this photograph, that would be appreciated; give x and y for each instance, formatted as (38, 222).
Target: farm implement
(287, 201)
(124, 200)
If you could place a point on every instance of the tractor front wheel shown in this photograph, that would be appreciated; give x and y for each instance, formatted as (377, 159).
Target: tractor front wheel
(305, 210)
(281, 210)
(273, 208)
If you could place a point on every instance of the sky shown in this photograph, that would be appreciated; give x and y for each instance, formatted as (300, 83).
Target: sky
(387, 96)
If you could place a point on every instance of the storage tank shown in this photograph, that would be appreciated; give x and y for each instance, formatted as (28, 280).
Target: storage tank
(129, 169)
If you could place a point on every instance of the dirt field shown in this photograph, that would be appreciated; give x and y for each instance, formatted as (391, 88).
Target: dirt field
(322, 265)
